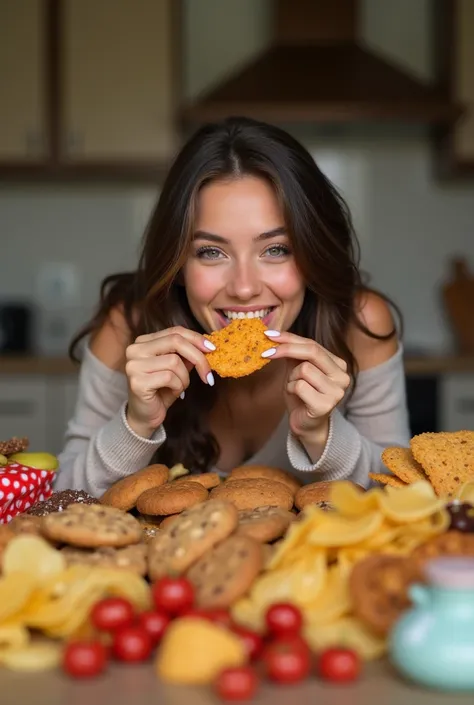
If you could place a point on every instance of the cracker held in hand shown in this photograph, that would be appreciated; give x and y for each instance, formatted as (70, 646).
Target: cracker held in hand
(400, 462)
(447, 458)
(239, 348)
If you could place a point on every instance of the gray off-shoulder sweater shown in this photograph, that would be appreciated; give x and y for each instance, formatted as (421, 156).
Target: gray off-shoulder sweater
(100, 447)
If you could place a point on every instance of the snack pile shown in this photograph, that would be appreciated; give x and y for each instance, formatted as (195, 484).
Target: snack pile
(445, 459)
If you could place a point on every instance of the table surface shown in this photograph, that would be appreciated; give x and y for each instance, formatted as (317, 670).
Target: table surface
(137, 685)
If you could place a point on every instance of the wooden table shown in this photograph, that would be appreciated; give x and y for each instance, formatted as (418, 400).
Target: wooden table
(137, 685)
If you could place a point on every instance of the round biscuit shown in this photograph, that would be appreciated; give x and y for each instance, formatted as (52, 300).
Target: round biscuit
(264, 524)
(244, 472)
(254, 493)
(171, 498)
(124, 493)
(91, 526)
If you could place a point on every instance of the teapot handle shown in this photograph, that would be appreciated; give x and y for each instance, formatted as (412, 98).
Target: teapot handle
(419, 594)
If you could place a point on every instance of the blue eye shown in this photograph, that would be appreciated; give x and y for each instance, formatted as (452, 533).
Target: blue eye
(208, 253)
(278, 251)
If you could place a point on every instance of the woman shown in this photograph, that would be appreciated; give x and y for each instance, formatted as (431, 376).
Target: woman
(246, 225)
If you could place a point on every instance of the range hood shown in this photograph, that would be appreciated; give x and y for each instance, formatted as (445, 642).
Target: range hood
(317, 71)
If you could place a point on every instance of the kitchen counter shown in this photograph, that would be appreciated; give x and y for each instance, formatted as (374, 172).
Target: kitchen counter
(124, 685)
(414, 365)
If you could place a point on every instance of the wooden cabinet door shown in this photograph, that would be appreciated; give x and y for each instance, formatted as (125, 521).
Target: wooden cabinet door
(23, 131)
(117, 81)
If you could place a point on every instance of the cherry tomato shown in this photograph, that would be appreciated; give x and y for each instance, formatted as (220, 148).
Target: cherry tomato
(84, 659)
(239, 683)
(112, 613)
(253, 642)
(154, 622)
(173, 595)
(339, 665)
(131, 644)
(287, 660)
(283, 619)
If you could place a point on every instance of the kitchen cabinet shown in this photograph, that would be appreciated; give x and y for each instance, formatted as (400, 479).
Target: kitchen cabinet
(456, 402)
(91, 88)
(455, 146)
(23, 134)
(116, 81)
(24, 409)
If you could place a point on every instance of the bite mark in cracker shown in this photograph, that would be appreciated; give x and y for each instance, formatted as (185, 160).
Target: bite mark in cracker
(239, 348)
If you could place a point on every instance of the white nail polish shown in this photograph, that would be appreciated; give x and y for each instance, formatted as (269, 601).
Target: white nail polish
(272, 333)
(210, 379)
(181, 396)
(269, 352)
(209, 345)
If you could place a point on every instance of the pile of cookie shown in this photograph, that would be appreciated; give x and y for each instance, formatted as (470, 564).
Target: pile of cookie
(444, 459)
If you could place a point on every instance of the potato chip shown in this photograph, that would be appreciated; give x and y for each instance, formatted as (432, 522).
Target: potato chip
(332, 529)
(247, 613)
(346, 632)
(12, 636)
(33, 555)
(333, 600)
(37, 656)
(16, 590)
(349, 501)
(176, 471)
(466, 492)
(411, 503)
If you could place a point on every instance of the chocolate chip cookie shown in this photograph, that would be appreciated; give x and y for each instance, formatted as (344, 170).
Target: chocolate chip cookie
(264, 524)
(252, 493)
(226, 573)
(171, 498)
(194, 532)
(125, 493)
(91, 526)
(132, 558)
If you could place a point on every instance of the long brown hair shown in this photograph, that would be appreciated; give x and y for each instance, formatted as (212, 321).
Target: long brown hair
(323, 242)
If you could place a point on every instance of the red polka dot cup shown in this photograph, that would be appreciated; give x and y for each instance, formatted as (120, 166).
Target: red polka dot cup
(21, 487)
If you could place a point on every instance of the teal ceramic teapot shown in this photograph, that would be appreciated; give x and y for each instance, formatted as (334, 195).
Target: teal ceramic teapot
(433, 642)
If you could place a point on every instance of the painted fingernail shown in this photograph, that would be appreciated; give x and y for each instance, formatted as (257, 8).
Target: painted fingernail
(181, 396)
(210, 379)
(209, 345)
(272, 333)
(269, 352)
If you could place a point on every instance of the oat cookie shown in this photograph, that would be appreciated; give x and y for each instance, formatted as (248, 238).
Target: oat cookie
(254, 493)
(378, 585)
(132, 558)
(91, 526)
(124, 493)
(314, 493)
(171, 498)
(226, 573)
(264, 523)
(206, 479)
(239, 348)
(447, 458)
(450, 543)
(245, 472)
(13, 445)
(26, 524)
(389, 480)
(194, 532)
(402, 464)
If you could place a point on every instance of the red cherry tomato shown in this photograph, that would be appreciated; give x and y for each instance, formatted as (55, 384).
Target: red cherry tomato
(283, 619)
(253, 642)
(339, 665)
(155, 623)
(173, 595)
(239, 683)
(112, 613)
(287, 660)
(84, 659)
(131, 644)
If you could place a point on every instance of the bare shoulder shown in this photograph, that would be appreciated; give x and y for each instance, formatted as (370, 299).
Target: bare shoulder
(375, 315)
(109, 343)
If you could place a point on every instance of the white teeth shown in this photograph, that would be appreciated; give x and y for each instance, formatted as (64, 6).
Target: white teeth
(231, 315)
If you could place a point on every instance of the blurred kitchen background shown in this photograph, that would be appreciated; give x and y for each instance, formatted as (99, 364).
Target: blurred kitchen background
(96, 96)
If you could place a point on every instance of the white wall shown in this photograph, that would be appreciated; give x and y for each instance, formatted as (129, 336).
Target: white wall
(409, 225)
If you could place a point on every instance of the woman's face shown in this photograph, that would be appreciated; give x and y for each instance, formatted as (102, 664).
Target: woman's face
(240, 263)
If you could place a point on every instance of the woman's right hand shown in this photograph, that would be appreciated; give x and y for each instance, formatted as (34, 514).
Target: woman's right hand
(157, 369)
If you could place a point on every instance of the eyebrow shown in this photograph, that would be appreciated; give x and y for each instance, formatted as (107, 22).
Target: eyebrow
(203, 235)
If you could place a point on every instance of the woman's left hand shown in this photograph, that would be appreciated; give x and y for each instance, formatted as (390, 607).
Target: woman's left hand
(316, 382)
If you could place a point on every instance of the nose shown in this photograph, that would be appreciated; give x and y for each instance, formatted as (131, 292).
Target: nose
(244, 282)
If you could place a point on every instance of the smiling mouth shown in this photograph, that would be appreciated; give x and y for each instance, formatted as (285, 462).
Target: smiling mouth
(233, 315)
